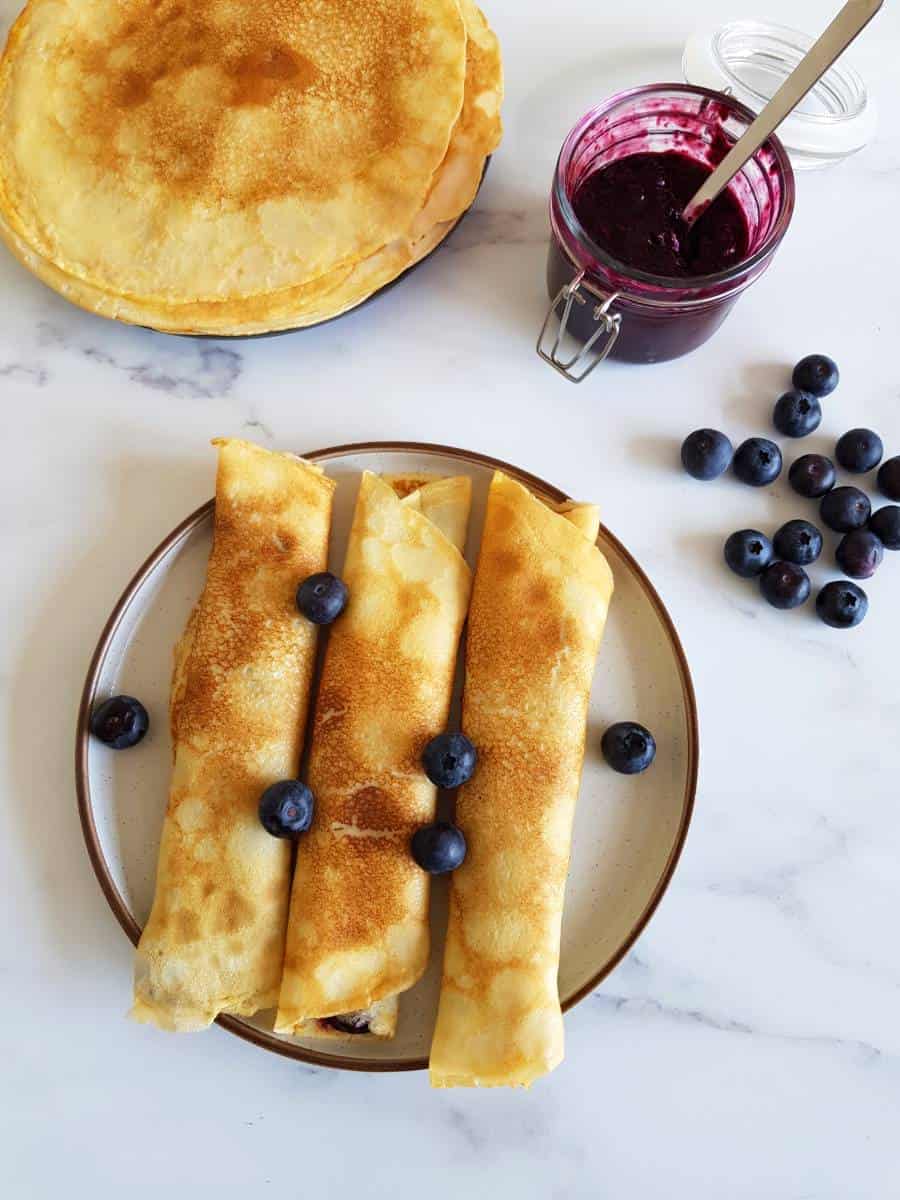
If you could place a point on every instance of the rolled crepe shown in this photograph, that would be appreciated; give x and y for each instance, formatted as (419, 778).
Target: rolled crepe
(358, 930)
(539, 604)
(215, 936)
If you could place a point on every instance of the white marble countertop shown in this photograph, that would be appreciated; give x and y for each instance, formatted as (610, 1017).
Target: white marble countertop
(749, 1046)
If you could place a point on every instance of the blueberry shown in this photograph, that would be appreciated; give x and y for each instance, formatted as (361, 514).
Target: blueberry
(706, 453)
(845, 508)
(812, 475)
(859, 450)
(438, 848)
(629, 748)
(859, 553)
(748, 552)
(798, 542)
(449, 760)
(286, 808)
(120, 722)
(889, 478)
(816, 374)
(784, 585)
(885, 524)
(352, 1022)
(322, 598)
(757, 462)
(842, 605)
(797, 414)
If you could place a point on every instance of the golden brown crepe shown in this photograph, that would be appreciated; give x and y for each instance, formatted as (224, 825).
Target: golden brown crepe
(358, 929)
(215, 936)
(539, 604)
(369, 127)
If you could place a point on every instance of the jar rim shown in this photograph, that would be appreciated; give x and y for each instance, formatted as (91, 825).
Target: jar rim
(693, 282)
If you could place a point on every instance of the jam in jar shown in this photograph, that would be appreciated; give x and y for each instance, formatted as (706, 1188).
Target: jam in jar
(627, 278)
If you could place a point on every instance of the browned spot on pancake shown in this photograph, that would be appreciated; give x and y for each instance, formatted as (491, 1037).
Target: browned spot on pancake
(506, 562)
(259, 75)
(130, 89)
(235, 913)
(187, 926)
(254, 54)
(208, 889)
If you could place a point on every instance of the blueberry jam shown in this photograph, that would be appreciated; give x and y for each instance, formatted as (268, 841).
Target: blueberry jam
(632, 209)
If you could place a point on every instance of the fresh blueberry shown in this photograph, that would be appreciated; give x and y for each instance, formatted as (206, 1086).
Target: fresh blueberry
(885, 524)
(797, 414)
(841, 604)
(706, 453)
(286, 808)
(812, 475)
(748, 552)
(784, 585)
(859, 553)
(889, 478)
(352, 1022)
(322, 598)
(629, 748)
(845, 508)
(816, 374)
(798, 542)
(120, 722)
(449, 760)
(757, 462)
(859, 450)
(438, 848)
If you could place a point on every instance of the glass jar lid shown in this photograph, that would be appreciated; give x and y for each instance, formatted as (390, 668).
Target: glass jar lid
(751, 59)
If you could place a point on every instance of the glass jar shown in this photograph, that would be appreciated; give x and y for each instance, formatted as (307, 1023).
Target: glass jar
(613, 310)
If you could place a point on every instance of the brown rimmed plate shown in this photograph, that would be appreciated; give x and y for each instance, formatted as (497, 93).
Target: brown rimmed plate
(629, 831)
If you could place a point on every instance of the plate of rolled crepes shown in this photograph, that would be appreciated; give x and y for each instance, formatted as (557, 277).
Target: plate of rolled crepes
(479, 599)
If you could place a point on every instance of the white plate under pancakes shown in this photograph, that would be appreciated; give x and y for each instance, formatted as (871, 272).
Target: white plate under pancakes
(629, 831)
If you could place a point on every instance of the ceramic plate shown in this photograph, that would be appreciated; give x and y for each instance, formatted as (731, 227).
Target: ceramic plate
(629, 831)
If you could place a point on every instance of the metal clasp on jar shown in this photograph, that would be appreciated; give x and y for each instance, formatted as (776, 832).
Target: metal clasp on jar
(608, 325)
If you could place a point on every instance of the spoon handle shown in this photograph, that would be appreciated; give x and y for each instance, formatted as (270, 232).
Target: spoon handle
(852, 18)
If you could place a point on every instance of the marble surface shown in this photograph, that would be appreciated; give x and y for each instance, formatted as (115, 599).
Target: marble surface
(749, 1045)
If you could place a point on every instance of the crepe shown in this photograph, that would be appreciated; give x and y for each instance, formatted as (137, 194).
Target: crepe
(358, 931)
(168, 155)
(215, 936)
(539, 604)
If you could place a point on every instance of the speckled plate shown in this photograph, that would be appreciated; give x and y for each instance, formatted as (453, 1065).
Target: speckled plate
(629, 831)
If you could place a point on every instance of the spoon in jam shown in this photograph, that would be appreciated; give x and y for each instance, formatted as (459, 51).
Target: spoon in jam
(849, 22)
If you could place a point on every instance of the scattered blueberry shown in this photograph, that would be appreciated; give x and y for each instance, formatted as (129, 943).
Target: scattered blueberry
(757, 462)
(449, 760)
(812, 475)
(816, 374)
(859, 553)
(629, 748)
(286, 808)
(322, 598)
(706, 453)
(845, 508)
(859, 450)
(120, 722)
(885, 524)
(784, 585)
(841, 604)
(798, 542)
(797, 414)
(748, 552)
(889, 478)
(438, 848)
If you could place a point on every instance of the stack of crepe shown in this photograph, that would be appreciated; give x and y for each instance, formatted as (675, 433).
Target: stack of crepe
(240, 166)
(336, 948)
